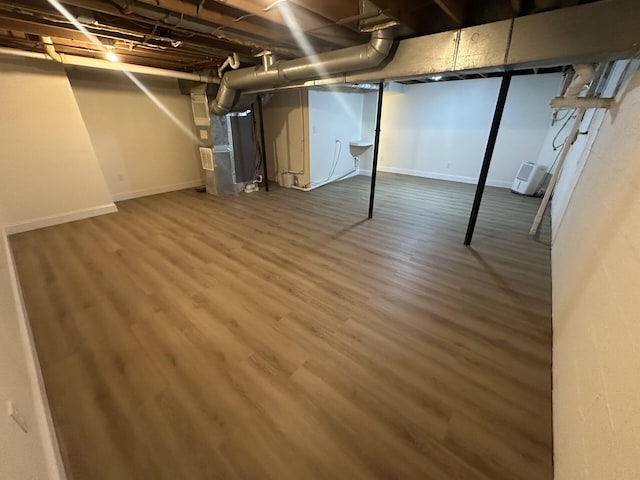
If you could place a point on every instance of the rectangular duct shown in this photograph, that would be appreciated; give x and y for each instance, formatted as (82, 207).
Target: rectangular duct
(595, 32)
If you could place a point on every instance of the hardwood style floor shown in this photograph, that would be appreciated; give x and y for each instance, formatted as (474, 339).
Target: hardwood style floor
(282, 335)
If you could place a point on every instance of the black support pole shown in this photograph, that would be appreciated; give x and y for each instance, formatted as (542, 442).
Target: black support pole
(263, 152)
(488, 155)
(376, 145)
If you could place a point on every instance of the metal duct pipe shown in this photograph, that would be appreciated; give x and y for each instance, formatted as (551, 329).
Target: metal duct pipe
(585, 74)
(282, 72)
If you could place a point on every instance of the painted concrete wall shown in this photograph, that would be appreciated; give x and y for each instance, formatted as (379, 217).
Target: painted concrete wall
(144, 139)
(596, 347)
(440, 130)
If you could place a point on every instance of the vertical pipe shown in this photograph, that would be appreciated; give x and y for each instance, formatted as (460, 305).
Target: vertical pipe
(556, 173)
(488, 154)
(263, 151)
(376, 148)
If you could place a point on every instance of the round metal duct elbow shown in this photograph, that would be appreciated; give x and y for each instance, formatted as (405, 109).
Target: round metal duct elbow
(351, 59)
(225, 98)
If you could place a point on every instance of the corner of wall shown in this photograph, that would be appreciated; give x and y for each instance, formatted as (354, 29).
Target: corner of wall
(48, 439)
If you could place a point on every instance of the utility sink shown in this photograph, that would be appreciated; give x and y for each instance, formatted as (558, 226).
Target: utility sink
(359, 147)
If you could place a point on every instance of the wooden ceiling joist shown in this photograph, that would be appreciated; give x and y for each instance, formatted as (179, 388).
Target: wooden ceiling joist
(333, 10)
(191, 33)
(455, 9)
(295, 18)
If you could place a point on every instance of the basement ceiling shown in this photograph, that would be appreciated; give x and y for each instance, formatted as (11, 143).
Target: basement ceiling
(198, 35)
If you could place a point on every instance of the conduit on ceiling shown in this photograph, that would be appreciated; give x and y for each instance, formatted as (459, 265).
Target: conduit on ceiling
(74, 60)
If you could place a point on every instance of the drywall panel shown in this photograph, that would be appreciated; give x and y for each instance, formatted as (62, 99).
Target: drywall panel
(596, 345)
(286, 135)
(335, 119)
(141, 129)
(48, 167)
(440, 130)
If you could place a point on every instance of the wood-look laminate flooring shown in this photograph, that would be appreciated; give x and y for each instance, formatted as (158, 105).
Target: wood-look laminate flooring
(281, 335)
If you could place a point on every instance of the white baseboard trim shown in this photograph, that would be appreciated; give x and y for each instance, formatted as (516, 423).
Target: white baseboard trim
(59, 218)
(438, 176)
(48, 438)
(118, 197)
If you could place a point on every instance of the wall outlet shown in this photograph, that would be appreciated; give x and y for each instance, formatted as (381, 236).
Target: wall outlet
(17, 417)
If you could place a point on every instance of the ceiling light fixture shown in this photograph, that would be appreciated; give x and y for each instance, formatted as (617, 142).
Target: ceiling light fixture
(110, 55)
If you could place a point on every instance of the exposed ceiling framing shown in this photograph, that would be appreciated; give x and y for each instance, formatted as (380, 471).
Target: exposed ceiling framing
(197, 35)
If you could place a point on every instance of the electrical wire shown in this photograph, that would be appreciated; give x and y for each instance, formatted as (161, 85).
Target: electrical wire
(569, 117)
(336, 157)
(557, 156)
(555, 115)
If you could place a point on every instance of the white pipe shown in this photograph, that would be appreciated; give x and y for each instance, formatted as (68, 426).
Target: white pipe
(105, 65)
(231, 61)
(584, 75)
(14, 52)
(128, 67)
(329, 180)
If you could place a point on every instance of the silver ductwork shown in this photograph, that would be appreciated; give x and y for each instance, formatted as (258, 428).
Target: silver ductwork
(313, 67)
(591, 33)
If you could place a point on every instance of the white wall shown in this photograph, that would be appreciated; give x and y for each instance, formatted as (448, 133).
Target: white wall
(286, 133)
(440, 130)
(145, 143)
(335, 119)
(369, 113)
(596, 346)
(49, 174)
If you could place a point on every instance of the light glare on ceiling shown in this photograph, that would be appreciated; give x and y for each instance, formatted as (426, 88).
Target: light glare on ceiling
(112, 57)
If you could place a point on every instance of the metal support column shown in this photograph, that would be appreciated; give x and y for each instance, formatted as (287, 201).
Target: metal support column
(263, 152)
(376, 145)
(488, 154)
